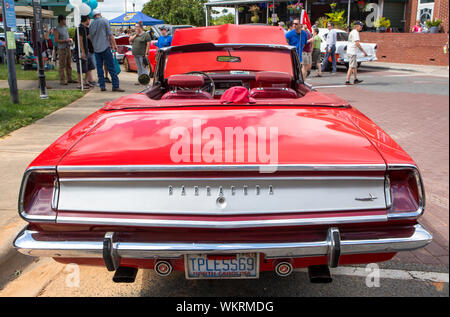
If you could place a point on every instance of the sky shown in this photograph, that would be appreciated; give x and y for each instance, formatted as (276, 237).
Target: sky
(113, 8)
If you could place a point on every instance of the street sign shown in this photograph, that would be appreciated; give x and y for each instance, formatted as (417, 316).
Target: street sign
(10, 46)
(11, 40)
(10, 13)
(37, 12)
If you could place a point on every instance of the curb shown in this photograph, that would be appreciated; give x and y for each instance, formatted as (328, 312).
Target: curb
(7, 236)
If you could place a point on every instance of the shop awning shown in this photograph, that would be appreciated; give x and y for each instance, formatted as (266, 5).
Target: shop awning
(237, 2)
(27, 12)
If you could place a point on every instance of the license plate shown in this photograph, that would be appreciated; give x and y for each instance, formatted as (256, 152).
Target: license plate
(238, 266)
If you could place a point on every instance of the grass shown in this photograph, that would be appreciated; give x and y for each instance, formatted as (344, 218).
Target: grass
(31, 107)
(31, 74)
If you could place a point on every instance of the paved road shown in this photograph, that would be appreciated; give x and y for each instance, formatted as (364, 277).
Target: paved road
(413, 108)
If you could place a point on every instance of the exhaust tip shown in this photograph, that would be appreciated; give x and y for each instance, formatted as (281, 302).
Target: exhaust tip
(284, 269)
(319, 274)
(163, 268)
(125, 274)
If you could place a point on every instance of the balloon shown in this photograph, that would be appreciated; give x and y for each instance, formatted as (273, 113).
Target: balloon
(75, 3)
(76, 16)
(93, 4)
(85, 9)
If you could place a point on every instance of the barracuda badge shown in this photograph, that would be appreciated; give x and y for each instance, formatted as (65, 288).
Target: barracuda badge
(221, 191)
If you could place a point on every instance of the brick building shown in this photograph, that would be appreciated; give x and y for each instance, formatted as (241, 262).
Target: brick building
(401, 13)
(427, 9)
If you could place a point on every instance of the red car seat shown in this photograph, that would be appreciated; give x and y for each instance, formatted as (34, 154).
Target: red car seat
(273, 85)
(190, 85)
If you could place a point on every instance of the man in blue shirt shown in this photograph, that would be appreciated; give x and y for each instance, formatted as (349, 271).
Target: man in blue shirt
(164, 40)
(297, 37)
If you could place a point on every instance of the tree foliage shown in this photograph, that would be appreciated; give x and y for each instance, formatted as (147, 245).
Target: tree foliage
(177, 11)
(223, 19)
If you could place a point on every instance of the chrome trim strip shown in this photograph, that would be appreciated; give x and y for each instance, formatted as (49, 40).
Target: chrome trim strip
(20, 208)
(221, 168)
(419, 212)
(217, 224)
(26, 244)
(126, 179)
(387, 192)
(156, 195)
(55, 197)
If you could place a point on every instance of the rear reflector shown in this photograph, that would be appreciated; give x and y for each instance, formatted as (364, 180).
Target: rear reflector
(38, 195)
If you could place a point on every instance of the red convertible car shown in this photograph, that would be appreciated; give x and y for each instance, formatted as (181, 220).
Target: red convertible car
(228, 166)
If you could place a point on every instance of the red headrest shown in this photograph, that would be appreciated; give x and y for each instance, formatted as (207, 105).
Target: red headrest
(273, 78)
(187, 81)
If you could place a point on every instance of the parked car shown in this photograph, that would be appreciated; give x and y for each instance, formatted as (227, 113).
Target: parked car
(186, 176)
(341, 48)
(129, 62)
(123, 45)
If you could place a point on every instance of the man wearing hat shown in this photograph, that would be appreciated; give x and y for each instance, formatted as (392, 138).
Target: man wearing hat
(102, 40)
(352, 52)
(164, 40)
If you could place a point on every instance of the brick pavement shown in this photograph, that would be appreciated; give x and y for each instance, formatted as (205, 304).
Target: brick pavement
(420, 124)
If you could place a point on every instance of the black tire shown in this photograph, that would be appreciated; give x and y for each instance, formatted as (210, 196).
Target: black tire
(347, 66)
(359, 64)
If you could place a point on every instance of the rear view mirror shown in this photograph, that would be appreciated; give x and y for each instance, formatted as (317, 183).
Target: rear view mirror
(229, 59)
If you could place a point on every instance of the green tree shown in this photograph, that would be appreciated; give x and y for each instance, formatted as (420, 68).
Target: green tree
(223, 19)
(177, 11)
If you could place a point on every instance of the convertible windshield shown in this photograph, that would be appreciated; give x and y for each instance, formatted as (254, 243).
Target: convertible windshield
(243, 59)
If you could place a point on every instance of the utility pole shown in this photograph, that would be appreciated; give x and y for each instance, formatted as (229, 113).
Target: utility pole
(37, 13)
(8, 15)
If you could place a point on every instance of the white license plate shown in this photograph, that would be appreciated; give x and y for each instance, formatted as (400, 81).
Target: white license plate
(238, 266)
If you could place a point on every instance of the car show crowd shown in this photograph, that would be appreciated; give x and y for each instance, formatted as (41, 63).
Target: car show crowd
(96, 49)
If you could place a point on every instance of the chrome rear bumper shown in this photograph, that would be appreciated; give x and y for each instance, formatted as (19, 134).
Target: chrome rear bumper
(332, 247)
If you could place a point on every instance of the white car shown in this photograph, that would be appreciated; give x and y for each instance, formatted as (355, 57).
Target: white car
(341, 48)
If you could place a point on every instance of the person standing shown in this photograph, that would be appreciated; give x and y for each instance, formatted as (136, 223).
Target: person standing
(87, 64)
(352, 52)
(331, 49)
(65, 59)
(297, 37)
(317, 41)
(283, 26)
(417, 28)
(306, 55)
(102, 39)
(165, 40)
(2, 50)
(140, 46)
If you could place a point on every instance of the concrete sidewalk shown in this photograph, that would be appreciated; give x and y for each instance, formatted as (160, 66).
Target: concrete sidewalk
(420, 69)
(18, 149)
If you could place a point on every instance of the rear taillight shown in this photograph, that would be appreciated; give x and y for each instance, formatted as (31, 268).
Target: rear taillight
(405, 194)
(39, 194)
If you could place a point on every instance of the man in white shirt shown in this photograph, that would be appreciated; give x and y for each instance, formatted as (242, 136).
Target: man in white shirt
(352, 52)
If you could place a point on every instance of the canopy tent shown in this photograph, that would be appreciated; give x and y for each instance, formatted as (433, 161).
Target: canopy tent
(131, 18)
(27, 12)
